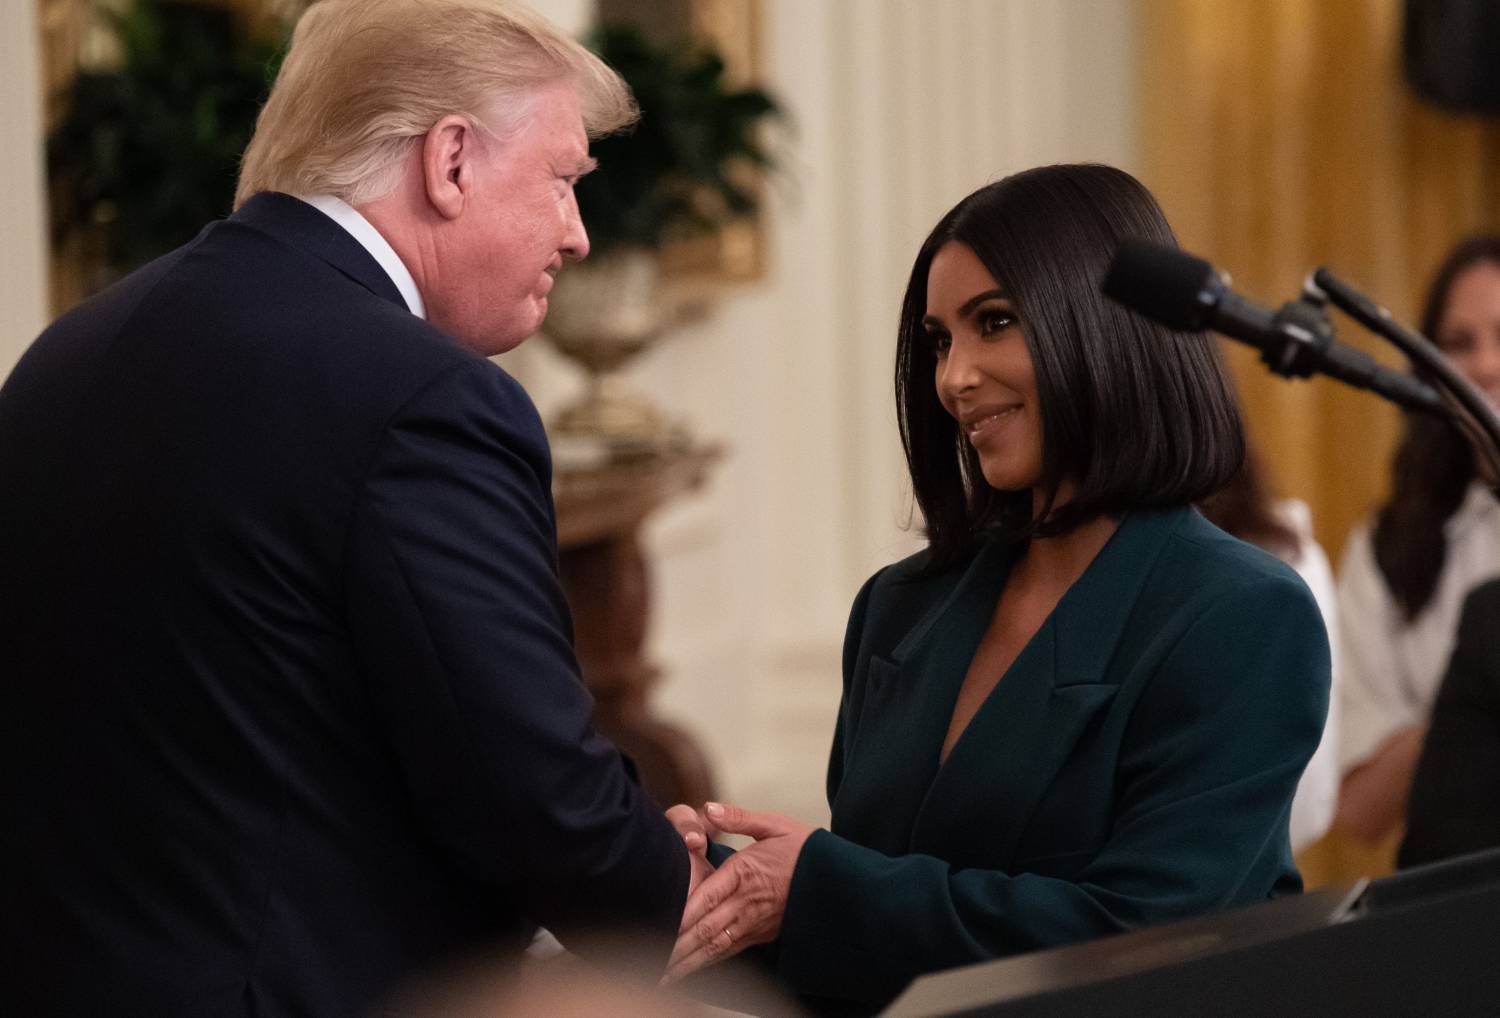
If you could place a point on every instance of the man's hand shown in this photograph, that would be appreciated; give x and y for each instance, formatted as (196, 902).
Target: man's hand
(742, 903)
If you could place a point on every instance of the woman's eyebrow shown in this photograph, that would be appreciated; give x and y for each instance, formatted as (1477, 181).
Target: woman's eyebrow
(972, 304)
(969, 307)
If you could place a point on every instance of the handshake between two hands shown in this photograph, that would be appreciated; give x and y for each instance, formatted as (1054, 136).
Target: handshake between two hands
(742, 902)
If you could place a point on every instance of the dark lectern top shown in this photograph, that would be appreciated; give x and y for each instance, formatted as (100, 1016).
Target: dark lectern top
(1420, 943)
(991, 984)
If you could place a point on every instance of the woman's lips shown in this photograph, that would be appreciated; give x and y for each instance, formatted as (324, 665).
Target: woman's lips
(991, 422)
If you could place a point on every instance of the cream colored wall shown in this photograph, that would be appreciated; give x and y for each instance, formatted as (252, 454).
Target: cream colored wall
(898, 110)
(23, 256)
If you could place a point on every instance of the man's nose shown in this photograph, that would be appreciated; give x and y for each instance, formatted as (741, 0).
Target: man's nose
(575, 243)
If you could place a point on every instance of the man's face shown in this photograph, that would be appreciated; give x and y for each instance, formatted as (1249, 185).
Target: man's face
(518, 228)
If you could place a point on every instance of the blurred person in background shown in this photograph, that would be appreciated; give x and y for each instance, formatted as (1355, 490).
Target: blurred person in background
(612, 983)
(1405, 574)
(1246, 509)
(290, 708)
(1083, 708)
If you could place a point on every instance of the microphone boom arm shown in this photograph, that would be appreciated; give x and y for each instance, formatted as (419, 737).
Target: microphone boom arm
(1467, 405)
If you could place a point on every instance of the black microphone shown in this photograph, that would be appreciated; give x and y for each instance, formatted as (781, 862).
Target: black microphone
(1186, 293)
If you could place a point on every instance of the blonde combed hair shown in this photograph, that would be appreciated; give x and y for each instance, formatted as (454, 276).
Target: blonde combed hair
(364, 79)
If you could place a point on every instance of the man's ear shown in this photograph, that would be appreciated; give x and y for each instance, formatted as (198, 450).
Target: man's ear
(448, 154)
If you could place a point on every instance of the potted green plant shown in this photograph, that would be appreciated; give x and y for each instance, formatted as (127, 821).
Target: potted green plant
(682, 168)
(688, 166)
(147, 148)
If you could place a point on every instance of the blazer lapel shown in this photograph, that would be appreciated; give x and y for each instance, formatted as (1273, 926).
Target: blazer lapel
(299, 225)
(1024, 733)
(907, 703)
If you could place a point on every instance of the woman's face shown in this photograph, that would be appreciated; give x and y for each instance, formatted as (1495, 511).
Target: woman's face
(984, 374)
(1469, 332)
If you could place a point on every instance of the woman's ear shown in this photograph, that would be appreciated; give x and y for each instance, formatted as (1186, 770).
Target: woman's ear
(448, 153)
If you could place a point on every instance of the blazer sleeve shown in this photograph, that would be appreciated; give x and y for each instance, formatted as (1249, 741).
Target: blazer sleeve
(1207, 770)
(1453, 807)
(460, 623)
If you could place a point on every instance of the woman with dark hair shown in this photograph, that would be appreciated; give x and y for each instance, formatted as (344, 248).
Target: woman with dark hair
(1403, 580)
(1083, 708)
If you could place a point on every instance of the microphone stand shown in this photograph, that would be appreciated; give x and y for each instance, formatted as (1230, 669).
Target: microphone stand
(1466, 405)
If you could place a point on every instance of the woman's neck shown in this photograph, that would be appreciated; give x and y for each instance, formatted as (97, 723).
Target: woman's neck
(1055, 563)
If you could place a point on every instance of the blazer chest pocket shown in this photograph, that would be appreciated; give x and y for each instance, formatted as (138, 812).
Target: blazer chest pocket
(882, 677)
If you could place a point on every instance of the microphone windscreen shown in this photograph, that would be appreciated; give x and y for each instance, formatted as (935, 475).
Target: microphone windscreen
(1166, 284)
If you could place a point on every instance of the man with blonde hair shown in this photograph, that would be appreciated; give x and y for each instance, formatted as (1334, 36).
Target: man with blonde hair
(291, 710)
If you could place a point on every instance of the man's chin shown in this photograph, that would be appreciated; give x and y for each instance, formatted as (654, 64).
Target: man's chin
(497, 345)
(496, 337)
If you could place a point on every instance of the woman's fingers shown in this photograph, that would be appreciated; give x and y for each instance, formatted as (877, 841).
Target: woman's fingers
(689, 826)
(734, 819)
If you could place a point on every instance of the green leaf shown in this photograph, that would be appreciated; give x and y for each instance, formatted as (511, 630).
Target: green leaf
(651, 183)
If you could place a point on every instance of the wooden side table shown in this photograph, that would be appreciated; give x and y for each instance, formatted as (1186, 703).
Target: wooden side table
(606, 576)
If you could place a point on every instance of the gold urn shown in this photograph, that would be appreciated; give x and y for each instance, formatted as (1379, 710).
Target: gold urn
(601, 313)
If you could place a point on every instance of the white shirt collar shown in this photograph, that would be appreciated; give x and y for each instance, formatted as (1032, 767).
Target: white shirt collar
(361, 229)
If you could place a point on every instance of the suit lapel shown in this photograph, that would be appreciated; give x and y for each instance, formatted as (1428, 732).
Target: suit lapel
(907, 703)
(1031, 722)
(299, 225)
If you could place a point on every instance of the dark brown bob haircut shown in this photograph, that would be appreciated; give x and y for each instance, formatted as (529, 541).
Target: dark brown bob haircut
(1135, 415)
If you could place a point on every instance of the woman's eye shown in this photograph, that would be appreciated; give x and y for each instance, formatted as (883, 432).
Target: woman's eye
(940, 342)
(991, 322)
(1456, 343)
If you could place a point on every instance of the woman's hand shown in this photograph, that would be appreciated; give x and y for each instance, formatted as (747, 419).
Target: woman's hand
(743, 902)
(1372, 796)
(693, 830)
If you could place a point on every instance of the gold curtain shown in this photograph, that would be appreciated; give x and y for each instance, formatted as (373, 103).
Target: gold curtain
(1279, 136)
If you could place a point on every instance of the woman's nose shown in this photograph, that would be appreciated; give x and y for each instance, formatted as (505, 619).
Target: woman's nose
(958, 371)
(1486, 363)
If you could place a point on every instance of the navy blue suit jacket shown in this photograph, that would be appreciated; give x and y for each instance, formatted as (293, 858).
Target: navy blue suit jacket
(290, 707)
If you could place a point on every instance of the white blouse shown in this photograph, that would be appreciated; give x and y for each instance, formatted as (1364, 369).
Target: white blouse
(1392, 667)
(1318, 792)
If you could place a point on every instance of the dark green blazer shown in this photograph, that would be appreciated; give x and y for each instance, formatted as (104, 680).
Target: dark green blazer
(1136, 764)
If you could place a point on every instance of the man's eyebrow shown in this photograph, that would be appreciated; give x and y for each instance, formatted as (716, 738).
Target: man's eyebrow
(586, 165)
